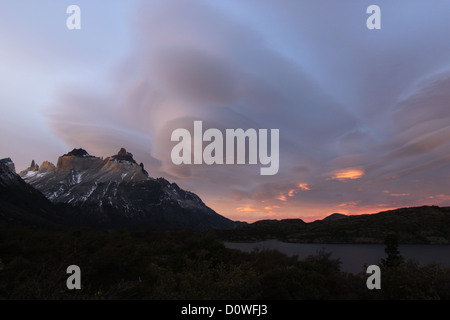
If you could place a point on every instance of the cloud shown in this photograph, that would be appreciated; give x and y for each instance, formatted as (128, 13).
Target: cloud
(281, 197)
(247, 209)
(226, 76)
(303, 186)
(349, 204)
(347, 174)
(366, 108)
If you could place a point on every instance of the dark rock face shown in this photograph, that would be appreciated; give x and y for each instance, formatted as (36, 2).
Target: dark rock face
(79, 153)
(9, 164)
(21, 203)
(118, 192)
(34, 166)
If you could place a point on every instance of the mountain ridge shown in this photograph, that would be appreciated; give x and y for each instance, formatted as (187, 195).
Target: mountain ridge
(116, 191)
(424, 225)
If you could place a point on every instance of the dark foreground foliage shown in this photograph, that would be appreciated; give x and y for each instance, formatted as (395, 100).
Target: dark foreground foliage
(184, 265)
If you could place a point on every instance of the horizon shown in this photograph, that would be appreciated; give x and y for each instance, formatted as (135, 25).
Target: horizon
(362, 114)
(248, 221)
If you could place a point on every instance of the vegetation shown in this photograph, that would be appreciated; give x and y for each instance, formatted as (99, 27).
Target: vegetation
(124, 264)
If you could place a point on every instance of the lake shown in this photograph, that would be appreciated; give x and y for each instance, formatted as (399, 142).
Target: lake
(353, 256)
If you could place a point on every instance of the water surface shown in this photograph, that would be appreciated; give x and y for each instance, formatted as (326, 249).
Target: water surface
(352, 256)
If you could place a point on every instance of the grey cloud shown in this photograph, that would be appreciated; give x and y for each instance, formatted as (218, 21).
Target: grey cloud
(196, 76)
(345, 101)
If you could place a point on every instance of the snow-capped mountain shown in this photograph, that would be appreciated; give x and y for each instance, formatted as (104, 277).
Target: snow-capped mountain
(118, 191)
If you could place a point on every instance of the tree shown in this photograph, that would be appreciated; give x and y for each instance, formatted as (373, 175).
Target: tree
(394, 259)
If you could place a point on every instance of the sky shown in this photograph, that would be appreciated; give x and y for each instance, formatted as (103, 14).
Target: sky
(363, 115)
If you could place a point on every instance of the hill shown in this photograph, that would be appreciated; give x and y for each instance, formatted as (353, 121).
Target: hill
(427, 225)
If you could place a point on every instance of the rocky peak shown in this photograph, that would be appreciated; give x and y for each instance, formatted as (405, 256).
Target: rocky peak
(8, 176)
(78, 153)
(123, 152)
(124, 156)
(77, 159)
(46, 166)
(7, 162)
(33, 166)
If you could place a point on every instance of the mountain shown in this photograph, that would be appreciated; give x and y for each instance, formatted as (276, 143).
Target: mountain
(334, 216)
(426, 224)
(118, 192)
(22, 204)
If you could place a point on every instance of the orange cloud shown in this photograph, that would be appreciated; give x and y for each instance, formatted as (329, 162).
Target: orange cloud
(349, 204)
(396, 194)
(293, 191)
(272, 207)
(347, 174)
(247, 209)
(303, 186)
(440, 197)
